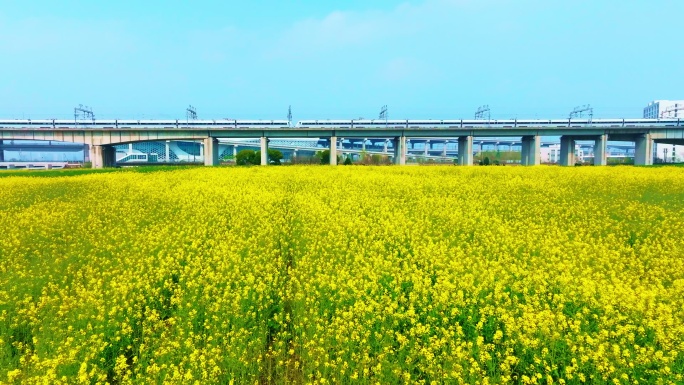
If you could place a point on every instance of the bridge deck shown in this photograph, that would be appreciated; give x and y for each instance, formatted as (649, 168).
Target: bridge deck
(101, 140)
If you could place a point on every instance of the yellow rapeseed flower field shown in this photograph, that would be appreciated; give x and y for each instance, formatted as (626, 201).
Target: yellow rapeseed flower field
(370, 275)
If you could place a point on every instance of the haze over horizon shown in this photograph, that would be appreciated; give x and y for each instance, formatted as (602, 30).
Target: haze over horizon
(424, 59)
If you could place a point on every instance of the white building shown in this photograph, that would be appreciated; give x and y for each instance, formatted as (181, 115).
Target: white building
(552, 153)
(664, 109)
(669, 153)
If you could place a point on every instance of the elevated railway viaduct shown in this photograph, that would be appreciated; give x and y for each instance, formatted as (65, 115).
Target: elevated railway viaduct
(101, 137)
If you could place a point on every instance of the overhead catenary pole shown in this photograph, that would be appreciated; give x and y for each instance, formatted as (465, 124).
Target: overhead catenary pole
(83, 112)
(579, 111)
(672, 111)
(383, 114)
(483, 112)
(191, 114)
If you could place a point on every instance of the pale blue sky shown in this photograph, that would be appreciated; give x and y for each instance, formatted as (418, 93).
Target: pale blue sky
(425, 59)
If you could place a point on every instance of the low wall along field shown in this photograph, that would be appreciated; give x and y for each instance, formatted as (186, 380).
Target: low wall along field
(344, 274)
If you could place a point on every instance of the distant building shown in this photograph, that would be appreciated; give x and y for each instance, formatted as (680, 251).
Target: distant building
(664, 109)
(669, 153)
(550, 153)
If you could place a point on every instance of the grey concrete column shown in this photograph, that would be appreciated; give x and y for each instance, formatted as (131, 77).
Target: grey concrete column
(426, 150)
(363, 145)
(333, 150)
(444, 150)
(235, 150)
(211, 152)
(130, 148)
(465, 150)
(201, 149)
(567, 151)
(535, 148)
(524, 151)
(530, 155)
(404, 145)
(386, 146)
(399, 150)
(102, 156)
(264, 151)
(600, 148)
(643, 150)
(96, 157)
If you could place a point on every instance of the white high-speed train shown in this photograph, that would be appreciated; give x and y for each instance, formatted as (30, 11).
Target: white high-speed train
(514, 123)
(352, 124)
(122, 124)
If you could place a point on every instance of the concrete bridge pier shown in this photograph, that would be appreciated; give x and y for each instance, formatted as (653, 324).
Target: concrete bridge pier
(643, 150)
(333, 150)
(264, 151)
(600, 150)
(102, 156)
(399, 144)
(444, 149)
(426, 148)
(465, 150)
(211, 152)
(167, 153)
(530, 154)
(567, 151)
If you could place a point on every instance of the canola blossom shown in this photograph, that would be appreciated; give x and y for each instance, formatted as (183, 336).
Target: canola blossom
(370, 275)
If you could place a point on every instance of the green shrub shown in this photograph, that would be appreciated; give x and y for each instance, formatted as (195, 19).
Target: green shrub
(247, 157)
